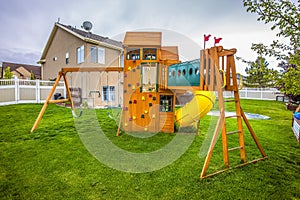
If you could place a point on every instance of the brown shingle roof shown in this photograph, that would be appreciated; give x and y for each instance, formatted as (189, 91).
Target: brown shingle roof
(14, 66)
(93, 36)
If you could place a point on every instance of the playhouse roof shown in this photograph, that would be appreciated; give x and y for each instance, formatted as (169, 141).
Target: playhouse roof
(145, 39)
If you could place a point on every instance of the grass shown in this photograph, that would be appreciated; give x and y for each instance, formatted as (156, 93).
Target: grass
(53, 163)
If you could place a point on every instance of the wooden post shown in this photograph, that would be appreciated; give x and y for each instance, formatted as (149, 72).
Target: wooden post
(253, 134)
(202, 54)
(68, 91)
(38, 119)
(212, 145)
(119, 127)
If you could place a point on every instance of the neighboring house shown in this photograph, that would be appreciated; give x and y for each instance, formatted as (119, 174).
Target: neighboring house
(70, 47)
(22, 71)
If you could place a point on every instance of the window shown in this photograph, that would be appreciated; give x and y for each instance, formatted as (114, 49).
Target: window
(80, 54)
(122, 60)
(111, 95)
(166, 103)
(149, 77)
(108, 93)
(133, 54)
(97, 55)
(67, 57)
(149, 54)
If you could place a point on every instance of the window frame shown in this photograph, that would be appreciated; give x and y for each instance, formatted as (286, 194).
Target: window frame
(97, 55)
(108, 94)
(80, 54)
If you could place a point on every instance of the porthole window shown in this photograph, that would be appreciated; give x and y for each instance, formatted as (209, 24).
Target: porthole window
(173, 73)
(190, 71)
(179, 72)
(196, 70)
(183, 72)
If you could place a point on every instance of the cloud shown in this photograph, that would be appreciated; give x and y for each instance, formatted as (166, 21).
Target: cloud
(22, 56)
(27, 24)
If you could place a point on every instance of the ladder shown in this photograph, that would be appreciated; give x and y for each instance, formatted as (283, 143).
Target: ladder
(212, 80)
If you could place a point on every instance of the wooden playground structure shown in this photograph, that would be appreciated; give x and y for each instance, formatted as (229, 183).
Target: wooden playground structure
(154, 77)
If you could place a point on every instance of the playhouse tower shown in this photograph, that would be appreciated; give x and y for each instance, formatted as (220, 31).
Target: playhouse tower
(148, 105)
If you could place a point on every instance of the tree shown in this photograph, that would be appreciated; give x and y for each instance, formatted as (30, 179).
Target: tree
(259, 75)
(285, 18)
(32, 76)
(289, 79)
(7, 73)
(284, 15)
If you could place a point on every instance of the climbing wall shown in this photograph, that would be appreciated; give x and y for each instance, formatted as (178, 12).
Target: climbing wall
(145, 59)
(140, 109)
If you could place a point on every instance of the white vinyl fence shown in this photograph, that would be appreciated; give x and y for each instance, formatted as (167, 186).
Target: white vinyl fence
(14, 91)
(256, 93)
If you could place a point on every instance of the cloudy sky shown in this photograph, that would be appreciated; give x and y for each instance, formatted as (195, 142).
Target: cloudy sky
(26, 25)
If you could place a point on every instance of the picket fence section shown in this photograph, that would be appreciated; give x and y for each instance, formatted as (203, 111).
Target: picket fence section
(15, 91)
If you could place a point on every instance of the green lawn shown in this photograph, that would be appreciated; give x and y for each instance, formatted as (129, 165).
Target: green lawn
(53, 163)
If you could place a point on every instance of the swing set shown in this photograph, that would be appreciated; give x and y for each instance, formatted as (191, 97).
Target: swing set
(63, 74)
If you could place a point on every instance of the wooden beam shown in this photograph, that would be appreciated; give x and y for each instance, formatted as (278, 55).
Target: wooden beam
(38, 119)
(59, 101)
(92, 69)
(253, 134)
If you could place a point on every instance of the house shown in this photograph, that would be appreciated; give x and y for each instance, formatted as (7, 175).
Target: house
(70, 47)
(22, 71)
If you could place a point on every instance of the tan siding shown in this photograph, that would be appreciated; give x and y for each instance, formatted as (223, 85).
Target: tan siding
(64, 42)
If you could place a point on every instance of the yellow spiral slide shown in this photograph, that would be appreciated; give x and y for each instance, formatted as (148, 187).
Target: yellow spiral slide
(197, 108)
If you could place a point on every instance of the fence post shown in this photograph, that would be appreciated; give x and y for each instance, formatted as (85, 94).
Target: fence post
(17, 90)
(65, 91)
(38, 91)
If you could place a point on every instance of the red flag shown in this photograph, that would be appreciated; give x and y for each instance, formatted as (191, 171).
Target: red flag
(217, 40)
(206, 37)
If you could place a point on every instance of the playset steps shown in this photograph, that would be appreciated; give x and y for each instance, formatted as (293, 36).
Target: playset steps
(224, 61)
(233, 132)
(235, 148)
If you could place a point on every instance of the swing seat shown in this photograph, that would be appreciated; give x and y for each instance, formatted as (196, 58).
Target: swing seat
(76, 116)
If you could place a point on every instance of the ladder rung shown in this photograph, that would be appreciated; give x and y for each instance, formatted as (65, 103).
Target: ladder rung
(232, 116)
(235, 148)
(233, 132)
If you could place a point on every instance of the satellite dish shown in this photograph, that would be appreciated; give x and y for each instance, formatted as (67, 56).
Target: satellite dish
(87, 25)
